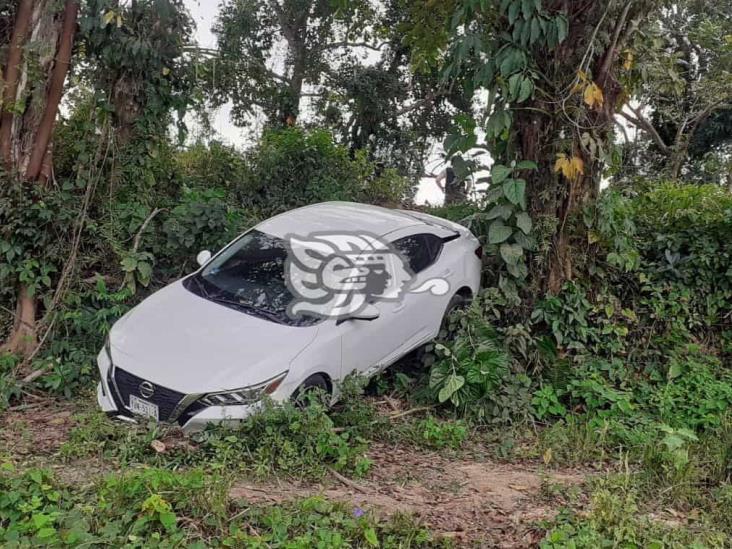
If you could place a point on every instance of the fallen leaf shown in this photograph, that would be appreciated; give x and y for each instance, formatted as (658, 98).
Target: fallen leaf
(158, 446)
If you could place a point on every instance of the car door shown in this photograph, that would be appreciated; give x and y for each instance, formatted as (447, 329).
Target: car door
(369, 346)
(422, 312)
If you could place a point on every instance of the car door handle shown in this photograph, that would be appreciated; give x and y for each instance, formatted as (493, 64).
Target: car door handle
(446, 272)
(398, 307)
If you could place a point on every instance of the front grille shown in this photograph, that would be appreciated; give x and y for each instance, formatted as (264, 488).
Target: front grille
(129, 384)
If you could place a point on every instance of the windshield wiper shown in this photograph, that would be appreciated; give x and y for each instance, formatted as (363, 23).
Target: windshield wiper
(246, 307)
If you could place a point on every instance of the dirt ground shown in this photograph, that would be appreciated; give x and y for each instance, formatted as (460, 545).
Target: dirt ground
(37, 427)
(476, 501)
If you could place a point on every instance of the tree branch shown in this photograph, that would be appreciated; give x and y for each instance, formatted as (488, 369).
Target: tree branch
(428, 100)
(640, 122)
(346, 44)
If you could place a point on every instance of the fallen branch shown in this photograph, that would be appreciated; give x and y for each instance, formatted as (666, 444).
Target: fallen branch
(138, 236)
(348, 482)
(411, 411)
(392, 416)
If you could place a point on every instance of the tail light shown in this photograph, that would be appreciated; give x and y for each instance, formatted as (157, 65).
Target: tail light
(479, 252)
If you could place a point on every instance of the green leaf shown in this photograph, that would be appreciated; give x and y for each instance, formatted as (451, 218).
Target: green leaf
(144, 269)
(518, 270)
(535, 30)
(497, 122)
(498, 232)
(514, 85)
(46, 532)
(513, 11)
(527, 8)
(514, 190)
(499, 210)
(526, 165)
(167, 519)
(129, 264)
(513, 60)
(499, 173)
(511, 253)
(452, 385)
(562, 28)
(523, 222)
(371, 538)
(40, 520)
(527, 88)
(675, 370)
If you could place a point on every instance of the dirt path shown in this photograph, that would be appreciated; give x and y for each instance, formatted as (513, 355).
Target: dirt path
(488, 503)
(471, 499)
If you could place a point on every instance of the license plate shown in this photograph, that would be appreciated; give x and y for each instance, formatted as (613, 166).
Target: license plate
(143, 407)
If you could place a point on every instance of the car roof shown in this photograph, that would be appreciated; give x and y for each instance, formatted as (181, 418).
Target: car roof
(339, 216)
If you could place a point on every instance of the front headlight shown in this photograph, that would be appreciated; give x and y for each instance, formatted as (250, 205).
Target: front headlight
(245, 395)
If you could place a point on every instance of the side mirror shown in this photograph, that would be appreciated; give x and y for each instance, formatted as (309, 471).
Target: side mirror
(368, 313)
(203, 257)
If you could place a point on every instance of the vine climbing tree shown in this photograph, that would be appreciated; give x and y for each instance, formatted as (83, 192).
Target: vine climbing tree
(551, 71)
(34, 70)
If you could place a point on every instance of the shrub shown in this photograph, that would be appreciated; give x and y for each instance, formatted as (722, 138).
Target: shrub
(442, 434)
(286, 439)
(294, 167)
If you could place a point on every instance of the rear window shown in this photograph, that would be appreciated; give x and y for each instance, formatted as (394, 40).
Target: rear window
(420, 250)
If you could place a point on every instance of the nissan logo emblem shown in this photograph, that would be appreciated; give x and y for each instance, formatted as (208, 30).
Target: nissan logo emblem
(146, 389)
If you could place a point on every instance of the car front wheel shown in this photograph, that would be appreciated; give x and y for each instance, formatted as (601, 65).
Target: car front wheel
(314, 388)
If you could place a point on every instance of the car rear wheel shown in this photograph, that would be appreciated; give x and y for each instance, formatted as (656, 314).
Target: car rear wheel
(313, 389)
(457, 302)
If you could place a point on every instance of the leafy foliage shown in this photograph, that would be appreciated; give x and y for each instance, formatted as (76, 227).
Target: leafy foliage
(155, 507)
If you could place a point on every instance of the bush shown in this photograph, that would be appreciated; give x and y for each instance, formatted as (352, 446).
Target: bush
(294, 167)
(282, 438)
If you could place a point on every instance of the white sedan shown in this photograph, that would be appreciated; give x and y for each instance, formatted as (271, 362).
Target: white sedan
(297, 302)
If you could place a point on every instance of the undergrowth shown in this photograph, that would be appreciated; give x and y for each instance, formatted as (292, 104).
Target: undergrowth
(160, 508)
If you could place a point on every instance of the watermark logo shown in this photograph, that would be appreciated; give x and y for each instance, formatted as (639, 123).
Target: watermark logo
(335, 275)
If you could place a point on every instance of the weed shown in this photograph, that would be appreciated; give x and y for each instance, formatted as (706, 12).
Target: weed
(159, 508)
(442, 434)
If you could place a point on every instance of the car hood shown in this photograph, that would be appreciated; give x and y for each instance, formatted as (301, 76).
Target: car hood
(182, 341)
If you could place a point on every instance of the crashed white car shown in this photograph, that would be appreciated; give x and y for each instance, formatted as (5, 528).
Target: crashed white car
(297, 302)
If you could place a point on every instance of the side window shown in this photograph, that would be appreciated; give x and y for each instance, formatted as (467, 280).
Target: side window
(420, 250)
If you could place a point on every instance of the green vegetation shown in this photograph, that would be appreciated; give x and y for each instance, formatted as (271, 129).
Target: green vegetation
(159, 508)
(601, 342)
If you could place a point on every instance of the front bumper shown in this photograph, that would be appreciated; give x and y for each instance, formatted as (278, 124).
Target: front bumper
(188, 414)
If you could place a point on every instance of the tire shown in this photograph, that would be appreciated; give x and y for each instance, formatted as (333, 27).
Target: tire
(315, 383)
(457, 302)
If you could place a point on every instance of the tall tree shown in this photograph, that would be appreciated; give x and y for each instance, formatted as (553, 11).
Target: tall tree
(390, 107)
(680, 73)
(37, 58)
(550, 70)
(136, 59)
(271, 52)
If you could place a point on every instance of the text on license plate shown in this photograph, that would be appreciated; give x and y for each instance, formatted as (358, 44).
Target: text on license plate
(143, 407)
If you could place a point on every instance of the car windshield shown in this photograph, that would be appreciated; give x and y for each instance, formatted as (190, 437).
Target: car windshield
(250, 276)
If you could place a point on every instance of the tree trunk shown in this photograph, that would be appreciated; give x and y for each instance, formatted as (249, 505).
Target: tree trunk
(11, 73)
(55, 91)
(455, 191)
(26, 136)
(291, 108)
(544, 130)
(23, 338)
